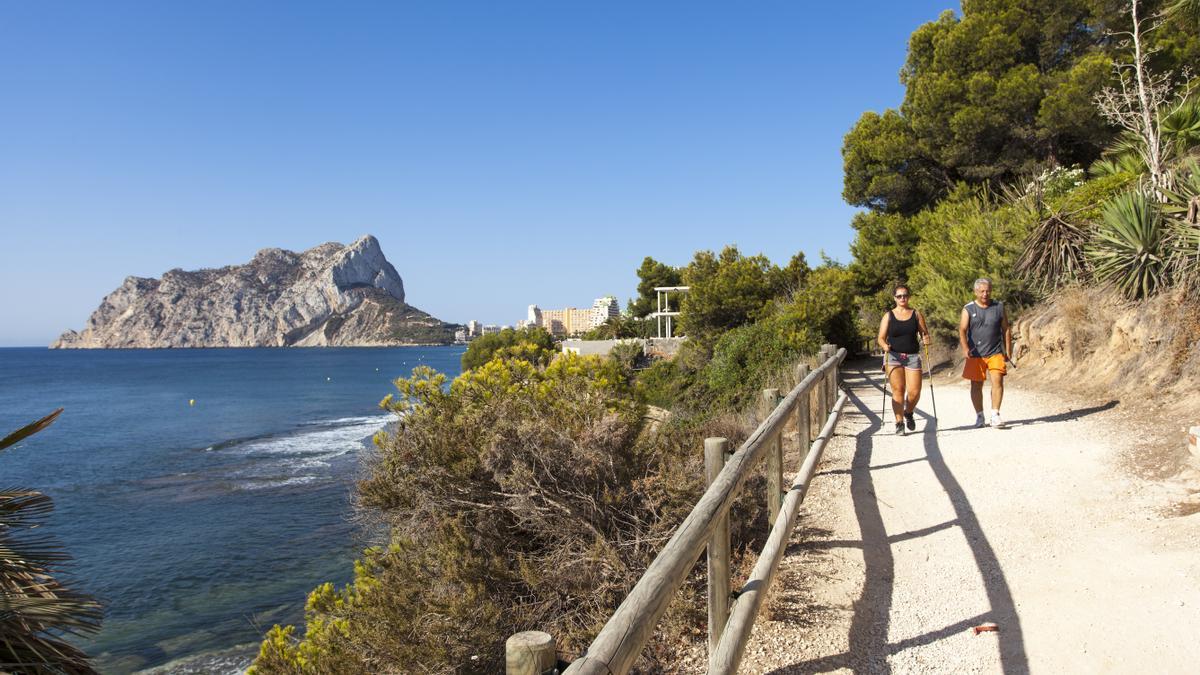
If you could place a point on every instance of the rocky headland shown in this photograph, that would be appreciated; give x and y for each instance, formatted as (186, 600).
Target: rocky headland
(329, 295)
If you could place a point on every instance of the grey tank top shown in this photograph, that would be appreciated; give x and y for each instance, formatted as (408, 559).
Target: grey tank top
(985, 328)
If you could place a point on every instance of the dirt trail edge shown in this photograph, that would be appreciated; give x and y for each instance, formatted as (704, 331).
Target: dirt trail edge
(906, 544)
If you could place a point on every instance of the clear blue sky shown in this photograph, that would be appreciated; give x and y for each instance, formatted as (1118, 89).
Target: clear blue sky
(504, 153)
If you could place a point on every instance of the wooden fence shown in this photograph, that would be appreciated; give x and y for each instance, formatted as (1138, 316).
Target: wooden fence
(731, 617)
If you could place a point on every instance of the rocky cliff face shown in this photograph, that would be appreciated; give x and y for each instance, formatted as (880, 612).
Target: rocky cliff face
(330, 295)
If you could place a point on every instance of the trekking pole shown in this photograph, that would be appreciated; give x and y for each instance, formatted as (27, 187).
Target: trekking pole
(883, 408)
(929, 367)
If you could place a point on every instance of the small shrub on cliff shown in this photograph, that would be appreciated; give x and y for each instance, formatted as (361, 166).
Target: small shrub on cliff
(533, 344)
(523, 496)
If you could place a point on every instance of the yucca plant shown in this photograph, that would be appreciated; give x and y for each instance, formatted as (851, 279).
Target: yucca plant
(1128, 247)
(37, 611)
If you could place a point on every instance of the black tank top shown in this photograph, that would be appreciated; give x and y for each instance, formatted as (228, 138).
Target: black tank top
(902, 335)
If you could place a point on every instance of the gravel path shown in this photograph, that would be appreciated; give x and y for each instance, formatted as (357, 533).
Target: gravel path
(906, 543)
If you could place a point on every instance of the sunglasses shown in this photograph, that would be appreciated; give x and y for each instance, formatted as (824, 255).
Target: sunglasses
(902, 295)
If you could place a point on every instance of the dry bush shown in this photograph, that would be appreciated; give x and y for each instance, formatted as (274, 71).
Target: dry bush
(522, 498)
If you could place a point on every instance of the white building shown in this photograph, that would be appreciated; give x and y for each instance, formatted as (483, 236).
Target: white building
(604, 309)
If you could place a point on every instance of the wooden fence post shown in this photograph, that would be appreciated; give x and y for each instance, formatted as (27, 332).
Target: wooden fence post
(832, 381)
(770, 399)
(529, 653)
(823, 398)
(715, 452)
(814, 407)
(834, 373)
(803, 424)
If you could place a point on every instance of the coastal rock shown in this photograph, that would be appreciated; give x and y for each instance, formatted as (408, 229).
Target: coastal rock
(329, 295)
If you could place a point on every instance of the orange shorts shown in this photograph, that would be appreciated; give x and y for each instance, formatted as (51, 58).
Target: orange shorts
(976, 368)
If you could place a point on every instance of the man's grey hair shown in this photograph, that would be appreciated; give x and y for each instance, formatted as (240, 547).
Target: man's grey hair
(981, 281)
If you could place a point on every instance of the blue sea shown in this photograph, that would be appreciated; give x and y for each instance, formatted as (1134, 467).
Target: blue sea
(202, 492)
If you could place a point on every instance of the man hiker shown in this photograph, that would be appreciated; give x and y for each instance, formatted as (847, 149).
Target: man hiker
(986, 341)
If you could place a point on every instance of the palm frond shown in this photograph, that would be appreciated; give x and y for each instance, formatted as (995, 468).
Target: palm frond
(1115, 164)
(1181, 128)
(23, 508)
(37, 610)
(29, 429)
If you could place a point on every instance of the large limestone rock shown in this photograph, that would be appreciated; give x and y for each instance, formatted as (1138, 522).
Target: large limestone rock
(330, 295)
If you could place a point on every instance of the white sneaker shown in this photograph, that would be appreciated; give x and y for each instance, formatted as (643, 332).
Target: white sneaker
(996, 421)
(979, 421)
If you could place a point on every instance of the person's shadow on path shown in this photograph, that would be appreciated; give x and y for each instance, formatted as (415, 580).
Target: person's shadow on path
(869, 647)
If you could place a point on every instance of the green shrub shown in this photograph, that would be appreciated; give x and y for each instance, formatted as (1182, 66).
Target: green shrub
(743, 359)
(1084, 203)
(531, 344)
(966, 237)
(664, 383)
(628, 356)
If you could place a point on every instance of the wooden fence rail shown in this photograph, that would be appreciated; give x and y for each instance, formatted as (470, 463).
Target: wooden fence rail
(621, 641)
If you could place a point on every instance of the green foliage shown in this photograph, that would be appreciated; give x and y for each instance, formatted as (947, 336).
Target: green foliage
(992, 96)
(727, 291)
(531, 344)
(728, 371)
(1129, 248)
(884, 248)
(40, 611)
(1083, 203)
(628, 356)
(987, 96)
(665, 383)
(744, 358)
(622, 327)
(966, 237)
(823, 311)
(1066, 116)
(976, 88)
(1183, 210)
(883, 167)
(996, 93)
(1180, 133)
(1181, 128)
(1186, 12)
(1113, 165)
(650, 275)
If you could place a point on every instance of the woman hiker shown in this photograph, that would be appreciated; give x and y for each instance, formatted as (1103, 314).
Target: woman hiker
(898, 332)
